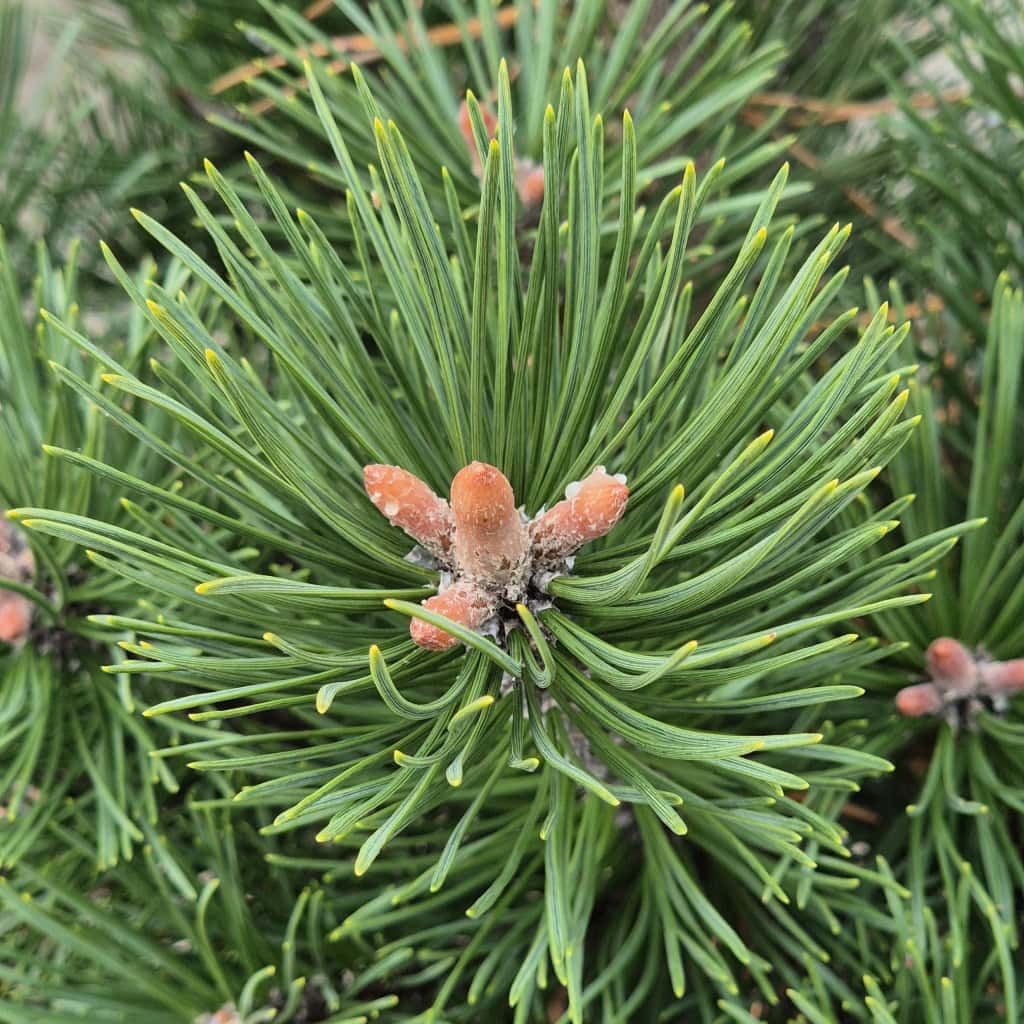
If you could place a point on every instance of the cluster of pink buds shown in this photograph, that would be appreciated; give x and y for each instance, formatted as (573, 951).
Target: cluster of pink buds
(529, 175)
(959, 678)
(16, 563)
(491, 553)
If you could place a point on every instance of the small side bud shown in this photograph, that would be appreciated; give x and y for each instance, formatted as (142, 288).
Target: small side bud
(16, 563)
(463, 602)
(15, 617)
(950, 664)
(411, 505)
(920, 699)
(592, 507)
(1002, 678)
(490, 539)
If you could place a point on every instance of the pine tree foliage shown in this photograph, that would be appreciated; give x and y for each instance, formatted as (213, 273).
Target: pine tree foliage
(426, 372)
(97, 825)
(190, 46)
(950, 114)
(835, 53)
(965, 161)
(682, 70)
(79, 142)
(74, 756)
(943, 946)
(955, 846)
(752, 755)
(158, 929)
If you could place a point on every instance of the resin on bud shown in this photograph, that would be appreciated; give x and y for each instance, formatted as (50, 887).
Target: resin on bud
(411, 505)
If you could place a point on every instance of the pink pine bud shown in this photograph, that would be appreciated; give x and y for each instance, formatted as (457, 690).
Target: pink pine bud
(466, 127)
(950, 664)
(1002, 677)
(410, 505)
(490, 539)
(463, 602)
(15, 617)
(920, 699)
(530, 183)
(592, 507)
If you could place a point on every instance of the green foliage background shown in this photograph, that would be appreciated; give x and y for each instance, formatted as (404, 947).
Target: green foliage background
(232, 788)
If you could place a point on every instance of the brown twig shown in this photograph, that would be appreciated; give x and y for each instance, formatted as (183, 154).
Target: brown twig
(849, 810)
(361, 48)
(860, 813)
(359, 45)
(811, 110)
(828, 113)
(336, 67)
(890, 225)
(315, 9)
(911, 311)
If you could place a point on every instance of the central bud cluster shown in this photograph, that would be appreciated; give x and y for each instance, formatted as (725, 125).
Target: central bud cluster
(961, 683)
(491, 553)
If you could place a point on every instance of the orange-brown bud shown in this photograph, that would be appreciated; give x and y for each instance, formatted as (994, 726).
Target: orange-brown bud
(950, 664)
(592, 507)
(463, 602)
(920, 699)
(1002, 677)
(530, 183)
(490, 539)
(410, 505)
(15, 617)
(466, 127)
